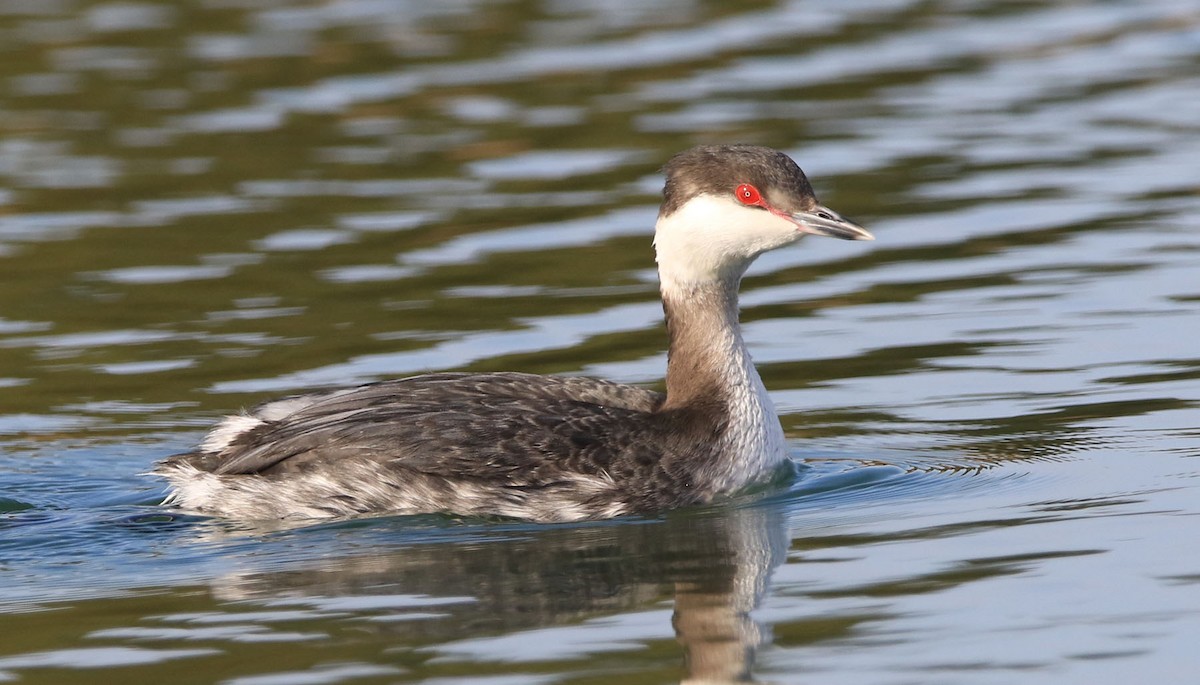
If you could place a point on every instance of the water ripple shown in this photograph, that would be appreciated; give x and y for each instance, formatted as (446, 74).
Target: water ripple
(992, 408)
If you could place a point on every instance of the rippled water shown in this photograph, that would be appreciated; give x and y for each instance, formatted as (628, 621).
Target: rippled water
(996, 406)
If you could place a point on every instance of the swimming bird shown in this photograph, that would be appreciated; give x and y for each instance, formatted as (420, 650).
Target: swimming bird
(547, 448)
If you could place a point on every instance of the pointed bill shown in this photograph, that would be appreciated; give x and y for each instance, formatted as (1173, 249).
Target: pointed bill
(824, 221)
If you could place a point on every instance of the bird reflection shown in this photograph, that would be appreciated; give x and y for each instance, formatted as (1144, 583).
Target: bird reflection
(495, 580)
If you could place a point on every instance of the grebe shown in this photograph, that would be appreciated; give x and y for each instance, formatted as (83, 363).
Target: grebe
(547, 448)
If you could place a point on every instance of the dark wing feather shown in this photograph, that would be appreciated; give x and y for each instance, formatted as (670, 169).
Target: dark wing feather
(443, 388)
(519, 428)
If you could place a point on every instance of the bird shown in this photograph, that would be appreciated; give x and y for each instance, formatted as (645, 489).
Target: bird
(547, 448)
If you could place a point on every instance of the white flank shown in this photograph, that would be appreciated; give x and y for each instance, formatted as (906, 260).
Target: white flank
(192, 489)
(223, 435)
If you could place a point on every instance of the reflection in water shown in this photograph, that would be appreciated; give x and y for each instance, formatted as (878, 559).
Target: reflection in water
(714, 563)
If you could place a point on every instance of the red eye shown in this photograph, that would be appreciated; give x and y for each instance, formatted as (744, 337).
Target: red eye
(748, 195)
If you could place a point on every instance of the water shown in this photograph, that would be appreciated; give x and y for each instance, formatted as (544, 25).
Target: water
(996, 407)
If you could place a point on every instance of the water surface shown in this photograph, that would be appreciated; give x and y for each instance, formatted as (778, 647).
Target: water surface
(995, 407)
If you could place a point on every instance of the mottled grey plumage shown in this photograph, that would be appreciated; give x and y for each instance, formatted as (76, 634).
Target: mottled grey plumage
(534, 447)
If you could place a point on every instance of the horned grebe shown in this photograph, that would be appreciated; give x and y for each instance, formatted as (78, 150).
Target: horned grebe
(547, 448)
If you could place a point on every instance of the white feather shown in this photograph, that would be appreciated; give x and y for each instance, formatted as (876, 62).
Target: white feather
(754, 434)
(714, 238)
(224, 434)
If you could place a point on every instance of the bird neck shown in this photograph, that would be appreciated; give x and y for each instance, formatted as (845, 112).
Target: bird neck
(710, 375)
(707, 359)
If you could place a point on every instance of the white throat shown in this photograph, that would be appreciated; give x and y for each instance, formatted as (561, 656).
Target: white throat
(714, 239)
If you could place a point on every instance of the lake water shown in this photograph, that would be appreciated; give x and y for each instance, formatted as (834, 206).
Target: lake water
(995, 407)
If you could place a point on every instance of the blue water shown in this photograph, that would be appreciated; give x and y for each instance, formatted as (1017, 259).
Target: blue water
(994, 409)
